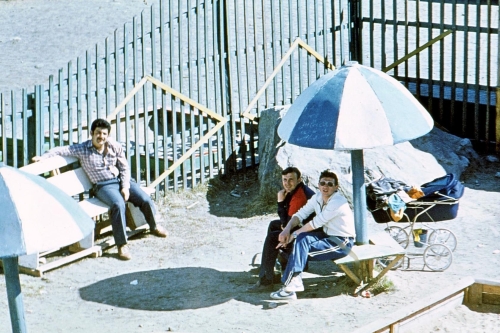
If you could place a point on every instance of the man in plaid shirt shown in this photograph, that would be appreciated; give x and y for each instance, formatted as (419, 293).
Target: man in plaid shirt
(106, 166)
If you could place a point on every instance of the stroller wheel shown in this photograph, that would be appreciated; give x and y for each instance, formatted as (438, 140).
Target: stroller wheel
(399, 235)
(383, 262)
(438, 257)
(445, 237)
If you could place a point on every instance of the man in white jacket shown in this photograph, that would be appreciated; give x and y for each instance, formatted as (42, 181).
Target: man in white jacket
(333, 241)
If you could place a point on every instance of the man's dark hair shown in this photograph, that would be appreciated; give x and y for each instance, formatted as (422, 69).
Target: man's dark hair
(101, 123)
(290, 170)
(329, 174)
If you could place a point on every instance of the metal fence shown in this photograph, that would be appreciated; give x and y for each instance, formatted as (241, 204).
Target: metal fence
(220, 53)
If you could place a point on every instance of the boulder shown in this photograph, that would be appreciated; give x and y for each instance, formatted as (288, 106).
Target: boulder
(412, 163)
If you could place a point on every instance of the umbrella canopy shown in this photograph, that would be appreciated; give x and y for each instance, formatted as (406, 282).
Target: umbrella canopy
(354, 107)
(37, 216)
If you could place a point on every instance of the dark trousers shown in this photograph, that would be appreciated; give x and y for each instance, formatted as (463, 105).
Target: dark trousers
(269, 251)
(109, 193)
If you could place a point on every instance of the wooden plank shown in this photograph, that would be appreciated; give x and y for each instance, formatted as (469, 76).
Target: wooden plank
(48, 164)
(475, 294)
(491, 299)
(490, 289)
(369, 251)
(445, 299)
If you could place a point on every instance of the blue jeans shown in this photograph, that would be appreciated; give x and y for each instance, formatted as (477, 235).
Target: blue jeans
(314, 246)
(109, 193)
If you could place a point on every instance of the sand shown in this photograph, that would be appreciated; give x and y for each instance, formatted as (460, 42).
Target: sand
(195, 280)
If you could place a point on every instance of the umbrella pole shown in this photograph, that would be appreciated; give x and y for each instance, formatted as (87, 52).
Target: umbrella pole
(359, 196)
(14, 295)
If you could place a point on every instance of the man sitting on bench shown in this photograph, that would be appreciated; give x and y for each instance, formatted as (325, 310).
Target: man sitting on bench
(106, 166)
(334, 241)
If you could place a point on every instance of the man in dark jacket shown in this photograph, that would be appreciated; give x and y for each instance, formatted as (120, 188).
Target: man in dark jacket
(291, 198)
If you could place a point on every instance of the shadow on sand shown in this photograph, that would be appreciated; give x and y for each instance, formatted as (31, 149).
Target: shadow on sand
(188, 288)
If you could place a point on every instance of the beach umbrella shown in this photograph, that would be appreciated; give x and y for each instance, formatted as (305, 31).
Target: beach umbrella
(35, 216)
(354, 107)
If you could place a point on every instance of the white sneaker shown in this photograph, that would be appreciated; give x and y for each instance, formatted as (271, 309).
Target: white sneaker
(295, 284)
(283, 295)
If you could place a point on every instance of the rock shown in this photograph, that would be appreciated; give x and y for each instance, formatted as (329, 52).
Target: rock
(497, 175)
(403, 161)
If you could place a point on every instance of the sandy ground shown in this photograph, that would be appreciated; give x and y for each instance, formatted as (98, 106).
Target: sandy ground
(195, 280)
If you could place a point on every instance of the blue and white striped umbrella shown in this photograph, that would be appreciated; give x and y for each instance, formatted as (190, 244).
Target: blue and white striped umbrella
(354, 107)
(35, 216)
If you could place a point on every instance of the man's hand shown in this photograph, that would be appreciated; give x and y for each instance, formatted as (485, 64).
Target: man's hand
(36, 158)
(284, 238)
(281, 195)
(125, 193)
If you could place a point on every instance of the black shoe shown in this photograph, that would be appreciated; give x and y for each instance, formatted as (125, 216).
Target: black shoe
(261, 286)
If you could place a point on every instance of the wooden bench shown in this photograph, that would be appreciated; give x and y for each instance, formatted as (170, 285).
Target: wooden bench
(362, 257)
(69, 176)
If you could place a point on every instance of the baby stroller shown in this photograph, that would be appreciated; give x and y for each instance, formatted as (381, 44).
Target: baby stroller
(439, 202)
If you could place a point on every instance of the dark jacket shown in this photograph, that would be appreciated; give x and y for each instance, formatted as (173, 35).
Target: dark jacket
(284, 206)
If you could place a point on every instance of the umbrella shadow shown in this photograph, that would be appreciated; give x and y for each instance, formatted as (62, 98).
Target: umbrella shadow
(189, 288)
(171, 289)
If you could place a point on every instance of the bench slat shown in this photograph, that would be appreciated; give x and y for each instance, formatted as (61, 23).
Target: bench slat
(72, 182)
(93, 207)
(49, 164)
(369, 251)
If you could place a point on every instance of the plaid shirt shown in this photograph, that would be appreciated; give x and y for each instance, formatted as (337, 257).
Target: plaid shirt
(109, 164)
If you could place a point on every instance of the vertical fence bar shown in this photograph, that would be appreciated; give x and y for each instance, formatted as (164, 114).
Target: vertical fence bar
(282, 52)
(61, 109)
(172, 99)
(154, 95)
(51, 111)
(3, 121)
(116, 52)
(292, 61)
(88, 90)
(201, 150)
(430, 75)
(137, 136)
(70, 103)
(14, 128)
(107, 76)
(441, 64)
(497, 120)
(24, 131)
(190, 93)
(466, 66)
(181, 89)
(211, 161)
(126, 88)
(383, 32)
(417, 44)
(488, 135)
(407, 70)
(145, 107)
(477, 134)
(163, 115)
(79, 101)
(372, 29)
(395, 30)
(453, 62)
(98, 81)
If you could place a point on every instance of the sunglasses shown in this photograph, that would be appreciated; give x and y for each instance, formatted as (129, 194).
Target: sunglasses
(330, 184)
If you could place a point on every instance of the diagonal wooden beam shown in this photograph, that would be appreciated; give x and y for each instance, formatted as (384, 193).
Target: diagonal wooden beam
(418, 50)
(295, 45)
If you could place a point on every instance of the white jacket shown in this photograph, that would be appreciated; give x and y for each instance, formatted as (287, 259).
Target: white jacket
(335, 217)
